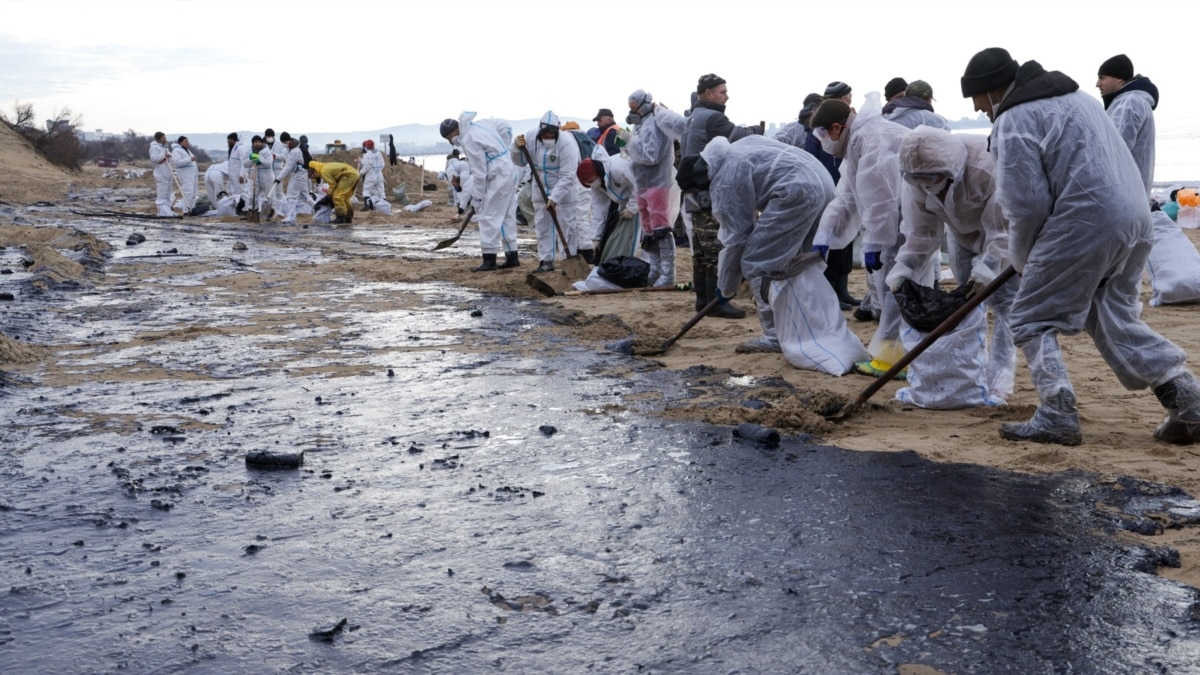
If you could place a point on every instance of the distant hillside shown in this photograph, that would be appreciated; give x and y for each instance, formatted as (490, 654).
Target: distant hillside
(410, 139)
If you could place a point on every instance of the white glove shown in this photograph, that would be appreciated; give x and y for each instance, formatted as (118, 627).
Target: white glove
(624, 135)
(981, 272)
(896, 278)
(629, 212)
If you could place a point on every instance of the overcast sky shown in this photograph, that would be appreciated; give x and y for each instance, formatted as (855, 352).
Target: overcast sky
(347, 65)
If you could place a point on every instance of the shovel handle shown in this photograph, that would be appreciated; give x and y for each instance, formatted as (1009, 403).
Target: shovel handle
(943, 328)
(688, 326)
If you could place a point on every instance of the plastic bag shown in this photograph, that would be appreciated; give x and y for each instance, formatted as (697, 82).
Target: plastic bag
(926, 308)
(812, 330)
(379, 205)
(1174, 264)
(323, 214)
(419, 206)
(595, 282)
(952, 372)
(626, 271)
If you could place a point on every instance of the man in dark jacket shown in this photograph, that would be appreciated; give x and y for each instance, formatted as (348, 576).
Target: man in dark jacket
(706, 122)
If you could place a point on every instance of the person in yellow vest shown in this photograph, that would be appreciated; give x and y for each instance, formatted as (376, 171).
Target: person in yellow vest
(342, 180)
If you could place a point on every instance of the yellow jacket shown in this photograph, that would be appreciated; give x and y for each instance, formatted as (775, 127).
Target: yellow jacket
(334, 172)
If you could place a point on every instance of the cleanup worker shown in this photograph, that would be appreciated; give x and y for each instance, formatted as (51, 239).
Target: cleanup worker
(261, 176)
(951, 179)
(491, 184)
(1080, 233)
(297, 200)
(651, 152)
(370, 167)
(342, 180)
(868, 195)
(185, 170)
(555, 161)
(160, 157)
(768, 197)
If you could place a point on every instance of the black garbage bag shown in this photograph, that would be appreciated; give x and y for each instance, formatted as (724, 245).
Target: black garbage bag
(626, 271)
(926, 308)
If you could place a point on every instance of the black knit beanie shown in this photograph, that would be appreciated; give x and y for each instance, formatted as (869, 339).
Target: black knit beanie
(1118, 66)
(990, 69)
(896, 85)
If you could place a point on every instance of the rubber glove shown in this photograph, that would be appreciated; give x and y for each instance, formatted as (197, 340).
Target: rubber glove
(254, 158)
(277, 181)
(822, 249)
(872, 261)
(623, 136)
(897, 282)
(981, 272)
(519, 141)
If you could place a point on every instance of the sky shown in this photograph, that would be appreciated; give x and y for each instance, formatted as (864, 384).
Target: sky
(181, 66)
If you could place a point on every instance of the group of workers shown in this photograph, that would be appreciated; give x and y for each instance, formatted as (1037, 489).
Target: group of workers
(268, 175)
(1059, 191)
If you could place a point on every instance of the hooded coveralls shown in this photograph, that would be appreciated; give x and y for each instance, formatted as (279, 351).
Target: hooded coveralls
(186, 172)
(371, 169)
(342, 179)
(160, 157)
(555, 163)
(491, 182)
(652, 161)
(973, 219)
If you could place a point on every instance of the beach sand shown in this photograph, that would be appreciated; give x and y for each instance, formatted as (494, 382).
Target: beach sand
(1117, 424)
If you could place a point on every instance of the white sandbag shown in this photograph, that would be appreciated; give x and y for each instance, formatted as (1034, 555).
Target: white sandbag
(323, 214)
(419, 206)
(227, 207)
(1188, 217)
(379, 205)
(1174, 264)
(810, 325)
(595, 282)
(952, 372)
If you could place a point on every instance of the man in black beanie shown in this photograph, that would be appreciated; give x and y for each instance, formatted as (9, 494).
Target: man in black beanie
(1130, 101)
(894, 89)
(1080, 234)
(707, 121)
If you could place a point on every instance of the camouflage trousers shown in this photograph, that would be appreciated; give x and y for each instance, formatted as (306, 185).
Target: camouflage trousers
(705, 244)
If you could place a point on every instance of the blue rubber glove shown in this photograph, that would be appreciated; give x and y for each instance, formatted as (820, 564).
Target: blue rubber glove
(822, 249)
(872, 262)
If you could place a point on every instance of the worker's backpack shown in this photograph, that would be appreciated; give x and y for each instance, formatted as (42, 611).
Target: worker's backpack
(585, 142)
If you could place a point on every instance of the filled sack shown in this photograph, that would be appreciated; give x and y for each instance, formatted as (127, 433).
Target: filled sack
(952, 372)
(811, 328)
(1174, 264)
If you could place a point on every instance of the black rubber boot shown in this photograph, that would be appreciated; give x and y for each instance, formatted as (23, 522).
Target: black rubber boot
(724, 311)
(700, 287)
(340, 220)
(510, 260)
(589, 255)
(489, 263)
(1055, 421)
(842, 286)
(544, 266)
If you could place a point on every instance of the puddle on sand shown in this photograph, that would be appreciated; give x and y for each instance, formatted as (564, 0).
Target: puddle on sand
(438, 514)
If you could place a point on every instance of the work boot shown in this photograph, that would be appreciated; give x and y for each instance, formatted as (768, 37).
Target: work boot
(1055, 421)
(762, 344)
(861, 314)
(699, 287)
(726, 310)
(510, 260)
(1181, 397)
(489, 263)
(544, 266)
(589, 255)
(841, 285)
(340, 220)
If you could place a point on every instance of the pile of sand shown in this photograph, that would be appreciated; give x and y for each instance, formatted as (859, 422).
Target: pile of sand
(24, 176)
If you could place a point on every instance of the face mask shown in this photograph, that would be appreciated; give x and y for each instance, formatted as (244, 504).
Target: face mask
(457, 140)
(270, 139)
(827, 144)
(548, 141)
(633, 118)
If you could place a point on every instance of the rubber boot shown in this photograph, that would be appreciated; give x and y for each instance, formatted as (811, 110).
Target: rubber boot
(489, 263)
(700, 287)
(510, 260)
(666, 262)
(589, 255)
(1181, 397)
(1056, 420)
(544, 266)
(723, 311)
(842, 286)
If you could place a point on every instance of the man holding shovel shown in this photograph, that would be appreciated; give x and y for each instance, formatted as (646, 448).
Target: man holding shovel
(553, 162)
(492, 185)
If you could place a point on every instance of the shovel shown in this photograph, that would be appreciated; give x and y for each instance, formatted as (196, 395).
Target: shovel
(943, 328)
(669, 342)
(445, 243)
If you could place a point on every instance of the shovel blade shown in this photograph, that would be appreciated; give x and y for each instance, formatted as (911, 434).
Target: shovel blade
(445, 243)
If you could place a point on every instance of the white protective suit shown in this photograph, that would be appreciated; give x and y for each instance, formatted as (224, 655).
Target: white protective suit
(164, 184)
(1132, 112)
(239, 177)
(459, 168)
(371, 168)
(1079, 233)
(261, 172)
(768, 197)
(296, 199)
(973, 219)
(554, 163)
(793, 134)
(869, 194)
(651, 153)
(216, 176)
(911, 118)
(188, 174)
(492, 179)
